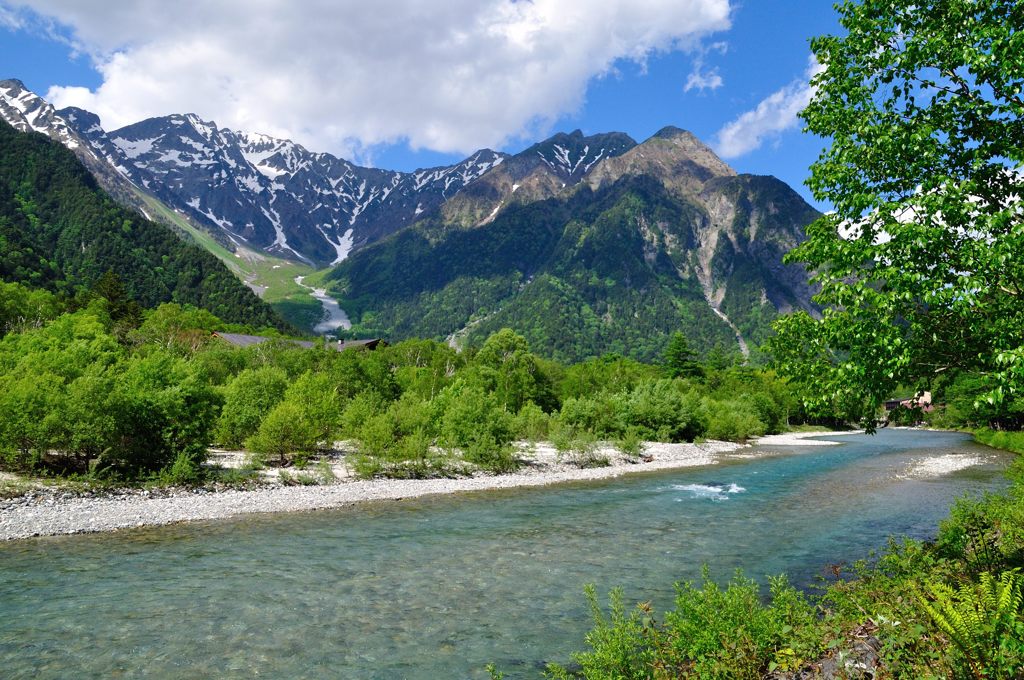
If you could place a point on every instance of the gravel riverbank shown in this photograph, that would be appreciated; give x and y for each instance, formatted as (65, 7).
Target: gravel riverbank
(48, 512)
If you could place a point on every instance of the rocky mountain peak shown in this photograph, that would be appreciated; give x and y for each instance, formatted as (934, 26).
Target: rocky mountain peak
(674, 156)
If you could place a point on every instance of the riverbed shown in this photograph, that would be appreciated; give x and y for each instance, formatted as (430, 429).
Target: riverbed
(437, 587)
(334, 317)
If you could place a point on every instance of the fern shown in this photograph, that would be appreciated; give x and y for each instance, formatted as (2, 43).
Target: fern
(982, 620)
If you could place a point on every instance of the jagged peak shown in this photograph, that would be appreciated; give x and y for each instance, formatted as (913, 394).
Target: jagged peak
(13, 84)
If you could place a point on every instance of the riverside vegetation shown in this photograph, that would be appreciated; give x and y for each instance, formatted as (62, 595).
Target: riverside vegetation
(920, 274)
(90, 390)
(950, 608)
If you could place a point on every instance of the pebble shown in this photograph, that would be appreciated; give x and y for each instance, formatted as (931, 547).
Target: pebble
(50, 512)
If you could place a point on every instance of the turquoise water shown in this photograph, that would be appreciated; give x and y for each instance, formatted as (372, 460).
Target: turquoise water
(437, 588)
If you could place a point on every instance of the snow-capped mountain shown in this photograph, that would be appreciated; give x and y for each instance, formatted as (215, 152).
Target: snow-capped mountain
(541, 171)
(78, 130)
(266, 193)
(571, 156)
(279, 196)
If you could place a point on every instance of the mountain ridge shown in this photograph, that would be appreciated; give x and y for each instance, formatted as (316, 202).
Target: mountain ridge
(616, 261)
(60, 231)
(698, 232)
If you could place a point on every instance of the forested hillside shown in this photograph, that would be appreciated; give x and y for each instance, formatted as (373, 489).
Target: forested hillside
(60, 231)
(618, 268)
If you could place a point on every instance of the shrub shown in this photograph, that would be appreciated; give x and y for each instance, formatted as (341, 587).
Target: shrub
(531, 423)
(578, 447)
(247, 400)
(631, 444)
(363, 407)
(285, 430)
(182, 472)
(731, 633)
(711, 633)
(317, 399)
(659, 412)
(733, 421)
(596, 415)
(473, 421)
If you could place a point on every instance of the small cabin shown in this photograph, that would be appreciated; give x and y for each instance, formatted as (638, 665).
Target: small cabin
(923, 400)
(242, 340)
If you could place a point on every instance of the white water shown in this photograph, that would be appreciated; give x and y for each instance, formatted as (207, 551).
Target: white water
(334, 316)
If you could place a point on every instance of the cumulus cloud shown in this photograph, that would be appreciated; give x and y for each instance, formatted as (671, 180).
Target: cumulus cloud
(775, 114)
(347, 74)
(709, 80)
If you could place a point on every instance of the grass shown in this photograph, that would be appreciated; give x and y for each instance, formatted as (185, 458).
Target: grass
(275, 276)
(1001, 439)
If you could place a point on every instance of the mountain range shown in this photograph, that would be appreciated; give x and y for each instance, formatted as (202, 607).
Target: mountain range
(586, 244)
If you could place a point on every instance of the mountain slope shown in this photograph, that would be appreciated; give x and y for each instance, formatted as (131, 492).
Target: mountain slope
(274, 194)
(659, 237)
(59, 230)
(247, 189)
(542, 171)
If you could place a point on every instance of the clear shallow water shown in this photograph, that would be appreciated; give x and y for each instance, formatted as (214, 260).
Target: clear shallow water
(436, 588)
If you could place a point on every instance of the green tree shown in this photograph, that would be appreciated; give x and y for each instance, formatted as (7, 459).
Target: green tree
(285, 430)
(22, 307)
(921, 262)
(513, 373)
(183, 329)
(247, 400)
(315, 394)
(680, 359)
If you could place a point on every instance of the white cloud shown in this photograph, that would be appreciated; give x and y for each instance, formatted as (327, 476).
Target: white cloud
(709, 80)
(344, 75)
(10, 20)
(699, 79)
(774, 115)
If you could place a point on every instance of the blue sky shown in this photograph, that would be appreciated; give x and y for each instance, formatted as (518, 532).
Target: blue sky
(408, 103)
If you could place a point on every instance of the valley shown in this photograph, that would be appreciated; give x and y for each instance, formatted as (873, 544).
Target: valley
(502, 340)
(585, 244)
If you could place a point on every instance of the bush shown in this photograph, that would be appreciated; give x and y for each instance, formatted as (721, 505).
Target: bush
(317, 399)
(596, 415)
(631, 444)
(711, 633)
(531, 423)
(285, 430)
(247, 400)
(733, 421)
(657, 411)
(731, 633)
(182, 472)
(579, 447)
(474, 422)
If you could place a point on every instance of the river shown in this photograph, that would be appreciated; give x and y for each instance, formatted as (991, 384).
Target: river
(438, 587)
(334, 316)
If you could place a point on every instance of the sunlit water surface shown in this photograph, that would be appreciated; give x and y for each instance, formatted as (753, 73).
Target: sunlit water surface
(437, 588)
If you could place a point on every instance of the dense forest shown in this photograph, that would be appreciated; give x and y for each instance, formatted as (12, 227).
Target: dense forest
(59, 231)
(86, 390)
(578, 277)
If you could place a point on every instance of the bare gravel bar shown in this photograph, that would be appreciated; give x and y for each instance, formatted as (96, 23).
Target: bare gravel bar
(50, 513)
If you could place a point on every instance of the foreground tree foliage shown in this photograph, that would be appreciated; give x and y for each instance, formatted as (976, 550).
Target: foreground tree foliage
(921, 263)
